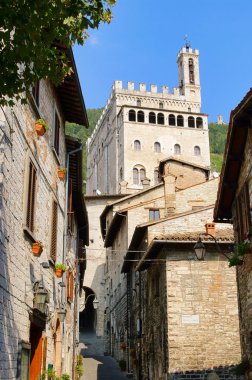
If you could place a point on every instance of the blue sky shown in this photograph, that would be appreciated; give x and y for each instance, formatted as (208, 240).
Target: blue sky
(144, 37)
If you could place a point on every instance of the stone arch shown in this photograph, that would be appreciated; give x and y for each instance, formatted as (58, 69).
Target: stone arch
(88, 315)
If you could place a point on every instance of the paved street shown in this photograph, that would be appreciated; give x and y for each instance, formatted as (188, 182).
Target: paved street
(96, 365)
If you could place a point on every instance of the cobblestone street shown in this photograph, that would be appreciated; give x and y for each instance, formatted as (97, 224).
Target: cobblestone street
(96, 365)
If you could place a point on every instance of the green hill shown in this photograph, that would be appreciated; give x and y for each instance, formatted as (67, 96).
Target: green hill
(217, 137)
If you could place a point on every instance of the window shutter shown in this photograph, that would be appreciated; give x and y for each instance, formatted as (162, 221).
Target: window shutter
(56, 132)
(243, 213)
(70, 285)
(54, 230)
(70, 211)
(44, 353)
(31, 197)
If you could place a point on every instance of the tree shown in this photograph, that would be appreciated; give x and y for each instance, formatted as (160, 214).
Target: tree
(34, 36)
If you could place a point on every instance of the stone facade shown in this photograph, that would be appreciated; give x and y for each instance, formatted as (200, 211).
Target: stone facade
(139, 128)
(28, 331)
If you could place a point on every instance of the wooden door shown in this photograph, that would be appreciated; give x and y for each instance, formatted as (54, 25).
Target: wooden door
(36, 352)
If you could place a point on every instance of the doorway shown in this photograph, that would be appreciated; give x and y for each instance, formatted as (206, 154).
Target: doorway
(36, 351)
(88, 315)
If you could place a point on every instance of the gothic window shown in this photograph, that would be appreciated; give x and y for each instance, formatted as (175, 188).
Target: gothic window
(172, 120)
(54, 231)
(177, 149)
(180, 121)
(31, 194)
(132, 115)
(138, 103)
(135, 176)
(191, 122)
(137, 145)
(191, 71)
(199, 122)
(160, 118)
(157, 147)
(140, 117)
(161, 105)
(152, 118)
(197, 150)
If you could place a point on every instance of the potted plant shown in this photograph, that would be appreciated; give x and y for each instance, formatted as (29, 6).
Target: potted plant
(79, 367)
(62, 173)
(41, 127)
(37, 248)
(59, 269)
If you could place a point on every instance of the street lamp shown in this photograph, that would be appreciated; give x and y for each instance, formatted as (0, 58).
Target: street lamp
(200, 249)
(62, 313)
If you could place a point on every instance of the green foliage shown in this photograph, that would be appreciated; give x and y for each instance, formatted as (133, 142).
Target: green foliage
(240, 250)
(217, 139)
(61, 266)
(241, 368)
(65, 376)
(79, 370)
(31, 35)
(83, 134)
(50, 375)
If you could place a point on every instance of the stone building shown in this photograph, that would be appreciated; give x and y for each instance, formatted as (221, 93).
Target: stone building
(171, 207)
(234, 205)
(38, 328)
(138, 128)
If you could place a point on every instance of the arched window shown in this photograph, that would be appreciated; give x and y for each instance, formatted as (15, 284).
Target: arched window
(152, 118)
(135, 176)
(172, 120)
(177, 149)
(142, 175)
(138, 103)
(180, 121)
(191, 122)
(157, 147)
(132, 115)
(140, 117)
(137, 145)
(161, 105)
(157, 179)
(191, 70)
(199, 122)
(197, 150)
(160, 118)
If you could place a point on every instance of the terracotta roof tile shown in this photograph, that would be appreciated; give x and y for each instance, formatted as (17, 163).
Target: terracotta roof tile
(223, 235)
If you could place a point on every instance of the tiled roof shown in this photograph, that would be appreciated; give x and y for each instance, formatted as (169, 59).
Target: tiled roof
(223, 235)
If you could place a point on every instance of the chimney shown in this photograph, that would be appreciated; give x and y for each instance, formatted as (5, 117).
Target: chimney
(146, 183)
(170, 194)
(210, 228)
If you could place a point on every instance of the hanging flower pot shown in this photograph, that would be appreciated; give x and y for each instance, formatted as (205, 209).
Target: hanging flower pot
(37, 248)
(41, 127)
(59, 269)
(62, 173)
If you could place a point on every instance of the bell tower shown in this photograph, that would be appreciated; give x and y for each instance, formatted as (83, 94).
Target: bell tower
(189, 79)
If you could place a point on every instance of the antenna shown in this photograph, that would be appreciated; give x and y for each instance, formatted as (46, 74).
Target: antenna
(187, 42)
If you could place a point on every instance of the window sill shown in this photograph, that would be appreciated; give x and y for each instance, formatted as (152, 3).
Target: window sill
(29, 234)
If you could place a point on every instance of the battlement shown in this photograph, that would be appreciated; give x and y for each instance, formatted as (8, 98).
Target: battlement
(142, 89)
(188, 50)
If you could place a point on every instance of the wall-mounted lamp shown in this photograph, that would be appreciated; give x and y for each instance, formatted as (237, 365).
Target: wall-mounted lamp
(200, 250)
(61, 313)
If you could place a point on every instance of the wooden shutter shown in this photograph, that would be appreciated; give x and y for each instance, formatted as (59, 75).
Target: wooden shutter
(70, 286)
(70, 211)
(31, 197)
(54, 230)
(56, 132)
(44, 353)
(243, 213)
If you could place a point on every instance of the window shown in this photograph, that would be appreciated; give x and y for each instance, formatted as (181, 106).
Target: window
(140, 117)
(137, 145)
(56, 132)
(180, 121)
(135, 176)
(191, 122)
(172, 120)
(70, 286)
(177, 149)
(23, 361)
(191, 71)
(154, 214)
(160, 118)
(138, 103)
(197, 150)
(161, 105)
(132, 115)
(243, 219)
(30, 210)
(53, 253)
(157, 179)
(152, 118)
(199, 122)
(142, 175)
(35, 93)
(157, 147)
